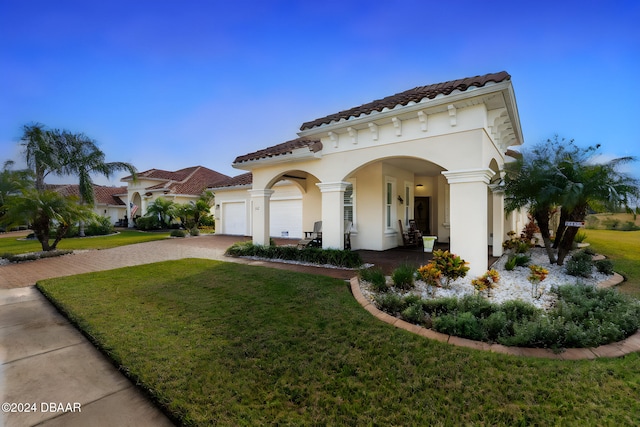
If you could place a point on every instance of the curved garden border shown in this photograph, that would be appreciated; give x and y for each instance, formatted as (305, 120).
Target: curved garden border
(618, 349)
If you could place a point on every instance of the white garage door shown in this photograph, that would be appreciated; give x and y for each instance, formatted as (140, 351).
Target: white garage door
(234, 217)
(286, 218)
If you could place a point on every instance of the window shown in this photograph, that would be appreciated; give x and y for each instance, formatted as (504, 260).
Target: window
(390, 214)
(348, 203)
(407, 203)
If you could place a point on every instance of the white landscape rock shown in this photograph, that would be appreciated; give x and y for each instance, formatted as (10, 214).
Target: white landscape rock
(513, 285)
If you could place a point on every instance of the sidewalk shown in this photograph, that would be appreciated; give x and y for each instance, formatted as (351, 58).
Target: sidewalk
(47, 364)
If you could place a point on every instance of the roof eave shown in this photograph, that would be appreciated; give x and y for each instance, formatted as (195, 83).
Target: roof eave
(232, 187)
(439, 100)
(303, 153)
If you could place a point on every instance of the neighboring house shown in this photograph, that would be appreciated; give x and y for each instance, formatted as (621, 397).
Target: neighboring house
(109, 201)
(433, 153)
(182, 186)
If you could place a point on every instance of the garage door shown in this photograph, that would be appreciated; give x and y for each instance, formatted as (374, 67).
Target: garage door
(234, 218)
(286, 218)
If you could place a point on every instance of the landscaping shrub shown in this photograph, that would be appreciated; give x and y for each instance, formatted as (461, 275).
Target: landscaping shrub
(516, 310)
(522, 260)
(450, 265)
(461, 325)
(195, 231)
(604, 266)
(98, 226)
(510, 265)
(390, 303)
(403, 277)
(414, 314)
(340, 258)
(522, 247)
(375, 276)
(494, 326)
(580, 264)
(440, 306)
(584, 316)
(178, 233)
(146, 223)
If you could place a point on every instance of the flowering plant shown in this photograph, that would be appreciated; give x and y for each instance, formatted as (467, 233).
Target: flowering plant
(450, 265)
(538, 274)
(431, 275)
(487, 281)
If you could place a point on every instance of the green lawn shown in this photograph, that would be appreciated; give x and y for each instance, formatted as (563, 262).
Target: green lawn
(12, 245)
(228, 344)
(623, 248)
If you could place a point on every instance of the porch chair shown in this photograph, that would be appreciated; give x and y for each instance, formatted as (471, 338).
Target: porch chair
(410, 237)
(312, 238)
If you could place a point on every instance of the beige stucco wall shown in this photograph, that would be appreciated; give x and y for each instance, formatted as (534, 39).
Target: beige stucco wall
(453, 150)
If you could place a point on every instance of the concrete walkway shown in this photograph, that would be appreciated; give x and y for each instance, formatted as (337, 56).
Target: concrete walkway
(51, 370)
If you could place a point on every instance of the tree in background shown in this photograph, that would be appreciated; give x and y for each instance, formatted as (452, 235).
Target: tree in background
(559, 173)
(163, 209)
(44, 151)
(59, 153)
(590, 186)
(12, 182)
(83, 158)
(193, 214)
(49, 213)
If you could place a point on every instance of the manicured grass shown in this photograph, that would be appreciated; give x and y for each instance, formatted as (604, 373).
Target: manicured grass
(623, 248)
(228, 344)
(10, 244)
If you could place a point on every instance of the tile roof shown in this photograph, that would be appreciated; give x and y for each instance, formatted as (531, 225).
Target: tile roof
(103, 194)
(313, 145)
(190, 181)
(412, 95)
(237, 181)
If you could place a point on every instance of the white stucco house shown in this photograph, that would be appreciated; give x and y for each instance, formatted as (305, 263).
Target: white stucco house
(109, 201)
(433, 153)
(181, 186)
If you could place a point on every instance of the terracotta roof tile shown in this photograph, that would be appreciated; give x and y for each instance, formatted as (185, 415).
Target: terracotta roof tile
(103, 194)
(413, 95)
(314, 145)
(193, 180)
(236, 181)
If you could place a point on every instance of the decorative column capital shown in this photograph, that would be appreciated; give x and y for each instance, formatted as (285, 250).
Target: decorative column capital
(469, 175)
(328, 187)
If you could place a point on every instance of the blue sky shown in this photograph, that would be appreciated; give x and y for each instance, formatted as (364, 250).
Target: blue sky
(171, 84)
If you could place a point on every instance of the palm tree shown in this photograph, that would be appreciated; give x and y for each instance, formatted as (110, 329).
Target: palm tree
(46, 211)
(11, 182)
(560, 173)
(532, 182)
(164, 209)
(44, 151)
(83, 158)
(590, 185)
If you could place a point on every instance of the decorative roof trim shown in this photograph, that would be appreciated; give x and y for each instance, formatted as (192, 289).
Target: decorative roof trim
(417, 95)
(297, 149)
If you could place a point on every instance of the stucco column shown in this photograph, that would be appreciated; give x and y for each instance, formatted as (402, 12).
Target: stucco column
(260, 215)
(332, 214)
(498, 221)
(468, 216)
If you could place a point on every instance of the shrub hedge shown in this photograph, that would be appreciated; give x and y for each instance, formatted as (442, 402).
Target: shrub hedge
(335, 257)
